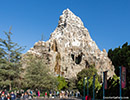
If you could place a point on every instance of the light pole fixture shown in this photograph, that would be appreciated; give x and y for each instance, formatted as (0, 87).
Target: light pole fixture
(87, 86)
(84, 88)
(104, 82)
(120, 81)
(94, 87)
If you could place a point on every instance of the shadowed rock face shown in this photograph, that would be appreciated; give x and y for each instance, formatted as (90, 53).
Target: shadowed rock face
(71, 49)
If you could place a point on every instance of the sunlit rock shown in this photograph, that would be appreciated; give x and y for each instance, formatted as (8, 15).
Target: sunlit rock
(71, 49)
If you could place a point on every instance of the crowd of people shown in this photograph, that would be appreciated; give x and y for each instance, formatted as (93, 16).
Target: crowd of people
(29, 94)
(62, 94)
(16, 95)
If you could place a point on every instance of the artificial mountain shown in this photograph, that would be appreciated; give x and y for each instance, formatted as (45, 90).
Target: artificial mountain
(71, 49)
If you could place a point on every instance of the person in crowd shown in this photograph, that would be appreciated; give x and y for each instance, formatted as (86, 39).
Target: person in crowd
(58, 93)
(66, 95)
(50, 94)
(3, 97)
(0, 93)
(13, 96)
(76, 94)
(31, 92)
(30, 97)
(25, 97)
(22, 94)
(8, 97)
(54, 94)
(61, 94)
(45, 94)
(5, 91)
(18, 95)
(15, 92)
(38, 93)
(72, 93)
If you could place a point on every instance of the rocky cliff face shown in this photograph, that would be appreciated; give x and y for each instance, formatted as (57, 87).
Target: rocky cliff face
(71, 49)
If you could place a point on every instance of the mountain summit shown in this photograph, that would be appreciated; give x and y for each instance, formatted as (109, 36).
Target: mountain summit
(68, 18)
(71, 49)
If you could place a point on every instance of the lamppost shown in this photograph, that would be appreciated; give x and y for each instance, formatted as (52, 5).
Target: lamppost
(104, 83)
(120, 80)
(84, 89)
(87, 86)
(94, 87)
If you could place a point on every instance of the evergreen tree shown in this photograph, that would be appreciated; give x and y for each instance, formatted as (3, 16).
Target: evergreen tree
(121, 57)
(37, 74)
(9, 61)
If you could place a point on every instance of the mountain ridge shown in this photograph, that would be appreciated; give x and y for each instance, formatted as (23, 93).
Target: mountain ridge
(71, 49)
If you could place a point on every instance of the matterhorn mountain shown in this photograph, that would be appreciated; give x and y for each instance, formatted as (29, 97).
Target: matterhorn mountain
(71, 49)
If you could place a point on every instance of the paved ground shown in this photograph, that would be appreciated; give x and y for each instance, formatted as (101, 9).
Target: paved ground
(57, 98)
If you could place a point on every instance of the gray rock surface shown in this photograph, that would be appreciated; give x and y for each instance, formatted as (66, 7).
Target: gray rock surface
(71, 49)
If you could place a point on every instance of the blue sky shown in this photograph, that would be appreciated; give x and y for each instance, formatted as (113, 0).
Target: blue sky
(108, 21)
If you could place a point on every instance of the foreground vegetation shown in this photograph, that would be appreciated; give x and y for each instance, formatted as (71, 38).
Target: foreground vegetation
(38, 75)
(121, 57)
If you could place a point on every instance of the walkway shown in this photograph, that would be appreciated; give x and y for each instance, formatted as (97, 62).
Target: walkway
(57, 98)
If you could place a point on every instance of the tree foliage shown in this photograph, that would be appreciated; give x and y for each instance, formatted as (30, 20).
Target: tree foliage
(10, 55)
(88, 72)
(121, 57)
(71, 84)
(62, 84)
(37, 74)
(112, 88)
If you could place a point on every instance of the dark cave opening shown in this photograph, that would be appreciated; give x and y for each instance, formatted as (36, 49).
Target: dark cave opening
(78, 59)
(72, 56)
(86, 64)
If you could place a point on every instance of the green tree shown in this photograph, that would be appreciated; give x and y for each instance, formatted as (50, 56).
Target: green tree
(10, 55)
(121, 57)
(112, 88)
(37, 74)
(71, 84)
(62, 84)
(88, 72)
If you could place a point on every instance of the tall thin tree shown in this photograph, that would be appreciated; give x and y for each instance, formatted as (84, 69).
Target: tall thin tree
(9, 63)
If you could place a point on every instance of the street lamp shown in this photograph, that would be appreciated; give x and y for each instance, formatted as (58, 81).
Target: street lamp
(84, 89)
(104, 83)
(94, 87)
(87, 86)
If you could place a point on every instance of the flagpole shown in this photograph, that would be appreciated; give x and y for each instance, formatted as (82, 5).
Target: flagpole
(94, 87)
(84, 88)
(103, 85)
(87, 86)
(120, 81)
